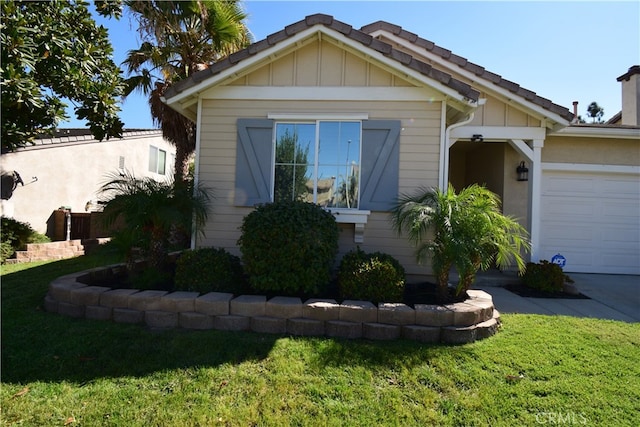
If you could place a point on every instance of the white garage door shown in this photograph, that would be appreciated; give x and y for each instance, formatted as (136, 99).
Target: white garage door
(593, 220)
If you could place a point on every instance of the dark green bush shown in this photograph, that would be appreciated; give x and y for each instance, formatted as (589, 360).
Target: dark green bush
(289, 247)
(15, 235)
(545, 276)
(209, 270)
(376, 277)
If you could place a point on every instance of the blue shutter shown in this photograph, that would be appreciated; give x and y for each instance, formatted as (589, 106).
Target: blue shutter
(380, 164)
(254, 161)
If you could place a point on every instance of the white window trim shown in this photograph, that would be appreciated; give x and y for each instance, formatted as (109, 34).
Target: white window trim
(319, 116)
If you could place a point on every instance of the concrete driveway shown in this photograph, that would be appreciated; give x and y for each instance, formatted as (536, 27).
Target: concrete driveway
(615, 297)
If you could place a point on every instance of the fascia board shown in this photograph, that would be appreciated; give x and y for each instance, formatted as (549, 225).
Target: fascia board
(598, 132)
(503, 94)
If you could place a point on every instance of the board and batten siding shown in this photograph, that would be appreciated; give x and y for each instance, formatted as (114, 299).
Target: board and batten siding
(419, 157)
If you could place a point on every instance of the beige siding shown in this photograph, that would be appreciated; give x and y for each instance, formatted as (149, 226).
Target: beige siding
(419, 157)
(320, 63)
(563, 149)
(498, 113)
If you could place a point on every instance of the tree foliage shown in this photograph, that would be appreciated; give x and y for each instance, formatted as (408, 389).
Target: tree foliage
(466, 230)
(596, 112)
(180, 38)
(55, 50)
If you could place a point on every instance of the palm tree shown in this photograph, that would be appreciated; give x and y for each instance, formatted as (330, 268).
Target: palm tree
(179, 39)
(153, 212)
(465, 230)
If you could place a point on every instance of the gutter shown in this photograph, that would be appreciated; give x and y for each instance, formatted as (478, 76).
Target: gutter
(443, 182)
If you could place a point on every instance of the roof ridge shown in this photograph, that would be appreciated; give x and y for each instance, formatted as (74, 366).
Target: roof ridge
(469, 66)
(347, 30)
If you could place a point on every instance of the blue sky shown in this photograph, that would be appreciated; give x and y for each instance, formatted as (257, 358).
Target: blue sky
(565, 51)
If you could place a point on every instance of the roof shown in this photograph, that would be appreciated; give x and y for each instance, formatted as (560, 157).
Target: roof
(83, 136)
(406, 60)
(465, 64)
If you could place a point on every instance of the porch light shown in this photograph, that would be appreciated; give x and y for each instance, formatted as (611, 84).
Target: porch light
(477, 138)
(523, 172)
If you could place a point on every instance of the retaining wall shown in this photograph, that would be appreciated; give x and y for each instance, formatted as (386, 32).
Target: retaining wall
(461, 322)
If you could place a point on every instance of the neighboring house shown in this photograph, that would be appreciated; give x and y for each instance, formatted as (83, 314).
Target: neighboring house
(406, 114)
(65, 171)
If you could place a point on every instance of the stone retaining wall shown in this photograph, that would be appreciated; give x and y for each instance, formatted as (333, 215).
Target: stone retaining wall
(462, 322)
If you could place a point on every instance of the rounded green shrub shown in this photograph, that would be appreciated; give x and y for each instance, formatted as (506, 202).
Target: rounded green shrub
(209, 270)
(289, 247)
(376, 277)
(545, 276)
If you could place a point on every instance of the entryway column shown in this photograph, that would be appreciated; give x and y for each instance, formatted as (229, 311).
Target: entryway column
(535, 194)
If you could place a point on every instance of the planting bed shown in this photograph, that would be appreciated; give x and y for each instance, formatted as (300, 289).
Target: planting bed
(461, 322)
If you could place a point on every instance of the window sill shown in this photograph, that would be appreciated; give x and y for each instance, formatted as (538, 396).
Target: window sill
(352, 216)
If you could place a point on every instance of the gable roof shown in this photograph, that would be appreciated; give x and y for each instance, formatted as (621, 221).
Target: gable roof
(465, 64)
(403, 59)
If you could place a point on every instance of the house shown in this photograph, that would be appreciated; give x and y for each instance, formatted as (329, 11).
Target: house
(408, 114)
(63, 172)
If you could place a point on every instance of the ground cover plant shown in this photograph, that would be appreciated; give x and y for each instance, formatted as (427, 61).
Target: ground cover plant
(538, 369)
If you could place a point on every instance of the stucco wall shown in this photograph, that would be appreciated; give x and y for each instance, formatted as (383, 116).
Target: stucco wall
(605, 151)
(69, 174)
(419, 157)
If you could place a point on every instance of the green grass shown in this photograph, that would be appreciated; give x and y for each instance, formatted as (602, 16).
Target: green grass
(58, 370)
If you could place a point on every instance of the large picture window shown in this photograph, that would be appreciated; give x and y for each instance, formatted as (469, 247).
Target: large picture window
(318, 162)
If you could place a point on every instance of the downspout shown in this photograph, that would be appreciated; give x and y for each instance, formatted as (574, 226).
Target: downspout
(445, 145)
(196, 172)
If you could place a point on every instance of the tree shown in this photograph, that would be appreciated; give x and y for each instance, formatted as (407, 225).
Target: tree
(179, 39)
(153, 212)
(55, 50)
(465, 230)
(291, 169)
(595, 112)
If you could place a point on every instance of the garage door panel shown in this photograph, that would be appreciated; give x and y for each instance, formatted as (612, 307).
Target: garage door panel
(593, 220)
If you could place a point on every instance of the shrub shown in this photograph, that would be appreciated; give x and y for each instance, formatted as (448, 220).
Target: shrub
(15, 235)
(209, 270)
(376, 277)
(289, 247)
(545, 276)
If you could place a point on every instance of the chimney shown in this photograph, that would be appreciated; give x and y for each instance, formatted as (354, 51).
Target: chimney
(575, 111)
(631, 96)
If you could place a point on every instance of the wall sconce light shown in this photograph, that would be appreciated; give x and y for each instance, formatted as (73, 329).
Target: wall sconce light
(523, 172)
(477, 138)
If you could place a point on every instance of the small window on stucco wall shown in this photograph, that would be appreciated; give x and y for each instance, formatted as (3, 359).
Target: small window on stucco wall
(157, 160)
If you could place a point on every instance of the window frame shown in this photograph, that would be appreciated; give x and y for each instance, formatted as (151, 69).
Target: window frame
(156, 155)
(316, 162)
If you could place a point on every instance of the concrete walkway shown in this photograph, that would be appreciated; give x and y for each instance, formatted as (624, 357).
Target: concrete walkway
(615, 297)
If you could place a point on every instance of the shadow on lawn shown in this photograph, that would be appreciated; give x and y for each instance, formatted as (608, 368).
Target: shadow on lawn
(40, 346)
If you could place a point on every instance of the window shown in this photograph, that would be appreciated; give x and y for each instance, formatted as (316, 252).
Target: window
(318, 162)
(157, 160)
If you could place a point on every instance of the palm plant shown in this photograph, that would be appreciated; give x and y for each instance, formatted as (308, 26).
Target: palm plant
(153, 212)
(466, 230)
(179, 39)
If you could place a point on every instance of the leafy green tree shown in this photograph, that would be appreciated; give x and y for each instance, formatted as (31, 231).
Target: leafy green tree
(179, 39)
(291, 169)
(153, 212)
(596, 112)
(465, 230)
(50, 51)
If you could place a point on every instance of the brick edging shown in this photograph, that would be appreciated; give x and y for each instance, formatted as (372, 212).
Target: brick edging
(463, 322)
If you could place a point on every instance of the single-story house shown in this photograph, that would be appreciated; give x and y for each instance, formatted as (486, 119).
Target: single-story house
(65, 170)
(382, 112)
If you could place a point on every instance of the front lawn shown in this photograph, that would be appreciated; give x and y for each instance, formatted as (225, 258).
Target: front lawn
(537, 370)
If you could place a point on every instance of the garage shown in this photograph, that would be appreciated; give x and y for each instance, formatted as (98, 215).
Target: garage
(592, 219)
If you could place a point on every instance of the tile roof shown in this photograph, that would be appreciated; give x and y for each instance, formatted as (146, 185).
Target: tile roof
(328, 21)
(477, 70)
